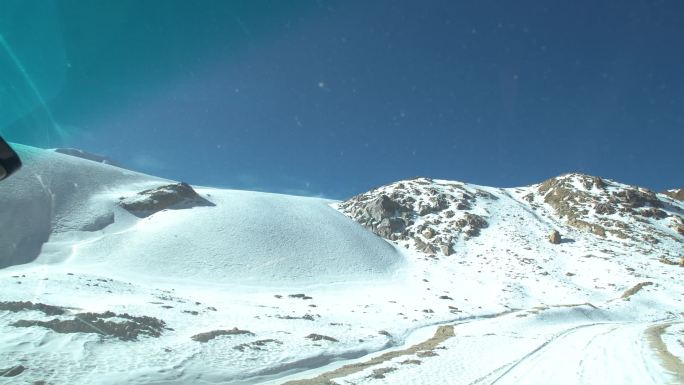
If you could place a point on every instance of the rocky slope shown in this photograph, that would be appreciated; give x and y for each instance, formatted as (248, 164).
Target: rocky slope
(435, 216)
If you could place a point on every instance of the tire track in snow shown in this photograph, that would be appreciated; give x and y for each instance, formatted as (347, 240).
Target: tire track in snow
(586, 354)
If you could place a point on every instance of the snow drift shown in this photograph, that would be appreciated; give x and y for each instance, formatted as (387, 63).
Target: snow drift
(240, 237)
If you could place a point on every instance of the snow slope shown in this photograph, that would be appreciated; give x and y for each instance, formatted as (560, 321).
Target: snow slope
(247, 237)
(316, 297)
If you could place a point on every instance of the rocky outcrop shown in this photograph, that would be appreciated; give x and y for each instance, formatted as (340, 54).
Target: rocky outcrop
(675, 194)
(13, 371)
(171, 196)
(320, 337)
(208, 336)
(98, 323)
(603, 208)
(555, 237)
(422, 214)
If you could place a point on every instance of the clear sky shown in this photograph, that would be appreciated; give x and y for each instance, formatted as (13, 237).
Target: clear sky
(336, 97)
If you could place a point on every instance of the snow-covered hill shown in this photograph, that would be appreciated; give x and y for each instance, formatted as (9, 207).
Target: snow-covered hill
(111, 276)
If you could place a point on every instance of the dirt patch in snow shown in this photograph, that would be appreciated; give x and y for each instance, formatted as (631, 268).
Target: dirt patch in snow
(635, 289)
(670, 362)
(442, 334)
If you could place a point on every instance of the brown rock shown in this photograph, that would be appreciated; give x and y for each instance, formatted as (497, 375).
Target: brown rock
(172, 196)
(675, 194)
(555, 237)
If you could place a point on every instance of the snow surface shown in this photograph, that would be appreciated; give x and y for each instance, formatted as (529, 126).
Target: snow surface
(523, 310)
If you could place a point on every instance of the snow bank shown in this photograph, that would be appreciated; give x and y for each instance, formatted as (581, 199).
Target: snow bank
(63, 209)
(51, 193)
(248, 237)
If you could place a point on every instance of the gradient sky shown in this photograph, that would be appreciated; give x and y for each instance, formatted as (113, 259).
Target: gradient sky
(335, 97)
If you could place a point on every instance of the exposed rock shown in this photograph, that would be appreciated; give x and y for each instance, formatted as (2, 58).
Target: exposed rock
(172, 196)
(675, 194)
(667, 261)
(307, 317)
(573, 195)
(300, 296)
(653, 212)
(555, 237)
(13, 371)
(421, 213)
(256, 345)
(389, 226)
(207, 336)
(383, 207)
(18, 306)
(320, 337)
(380, 373)
(605, 208)
(128, 330)
(587, 226)
(636, 197)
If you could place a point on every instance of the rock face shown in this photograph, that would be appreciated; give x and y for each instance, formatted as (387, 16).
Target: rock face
(435, 217)
(555, 237)
(424, 214)
(675, 194)
(172, 196)
(604, 208)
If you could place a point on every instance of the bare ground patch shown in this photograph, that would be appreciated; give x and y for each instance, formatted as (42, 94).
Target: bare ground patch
(442, 334)
(669, 361)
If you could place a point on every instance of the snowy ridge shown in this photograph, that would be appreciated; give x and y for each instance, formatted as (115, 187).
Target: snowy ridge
(268, 288)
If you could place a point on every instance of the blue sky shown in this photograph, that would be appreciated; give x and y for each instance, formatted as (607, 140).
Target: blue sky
(336, 97)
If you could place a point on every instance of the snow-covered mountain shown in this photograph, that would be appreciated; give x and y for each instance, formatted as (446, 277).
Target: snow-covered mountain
(111, 276)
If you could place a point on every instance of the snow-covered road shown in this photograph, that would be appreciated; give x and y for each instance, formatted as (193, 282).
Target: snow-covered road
(588, 354)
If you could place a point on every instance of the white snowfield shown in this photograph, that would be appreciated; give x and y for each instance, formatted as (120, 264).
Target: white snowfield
(315, 297)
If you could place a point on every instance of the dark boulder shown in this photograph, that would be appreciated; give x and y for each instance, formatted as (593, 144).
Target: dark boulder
(383, 207)
(171, 196)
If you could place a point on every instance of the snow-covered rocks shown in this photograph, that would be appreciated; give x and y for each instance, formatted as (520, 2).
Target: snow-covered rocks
(422, 213)
(607, 209)
(170, 196)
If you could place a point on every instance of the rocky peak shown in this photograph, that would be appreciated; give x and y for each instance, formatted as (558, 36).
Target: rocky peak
(425, 214)
(605, 208)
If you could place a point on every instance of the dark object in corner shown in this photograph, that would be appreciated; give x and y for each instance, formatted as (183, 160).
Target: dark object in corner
(9, 160)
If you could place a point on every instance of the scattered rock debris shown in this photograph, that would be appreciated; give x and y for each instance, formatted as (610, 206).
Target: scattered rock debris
(96, 323)
(207, 336)
(17, 306)
(320, 337)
